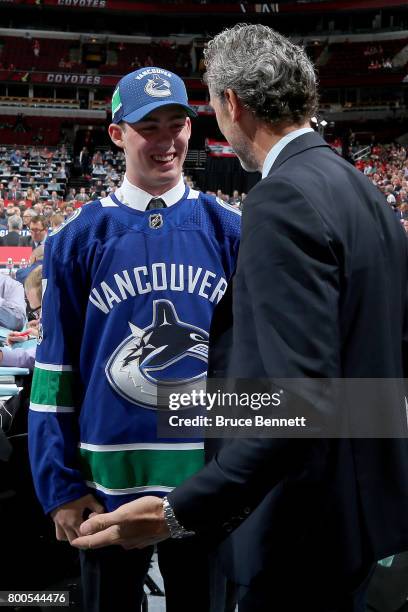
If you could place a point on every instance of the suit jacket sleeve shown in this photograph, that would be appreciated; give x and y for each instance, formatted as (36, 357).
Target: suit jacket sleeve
(289, 272)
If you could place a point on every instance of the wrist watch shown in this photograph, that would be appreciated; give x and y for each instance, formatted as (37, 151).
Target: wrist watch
(176, 530)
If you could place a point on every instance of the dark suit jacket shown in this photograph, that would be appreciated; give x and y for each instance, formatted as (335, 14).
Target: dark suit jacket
(319, 292)
(27, 241)
(10, 239)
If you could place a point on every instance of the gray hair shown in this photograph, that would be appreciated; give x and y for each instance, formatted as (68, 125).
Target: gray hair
(29, 211)
(271, 76)
(15, 222)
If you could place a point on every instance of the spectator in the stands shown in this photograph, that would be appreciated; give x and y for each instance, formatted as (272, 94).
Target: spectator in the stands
(48, 210)
(10, 210)
(82, 196)
(3, 190)
(38, 208)
(43, 192)
(3, 216)
(68, 210)
(12, 303)
(70, 195)
(25, 167)
(15, 183)
(38, 232)
(84, 160)
(13, 236)
(25, 357)
(56, 220)
(29, 195)
(236, 198)
(60, 172)
(97, 158)
(28, 214)
(97, 188)
(53, 185)
(392, 202)
(16, 158)
(14, 195)
(54, 198)
(98, 169)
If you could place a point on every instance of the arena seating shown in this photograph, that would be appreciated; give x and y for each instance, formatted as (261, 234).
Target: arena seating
(350, 58)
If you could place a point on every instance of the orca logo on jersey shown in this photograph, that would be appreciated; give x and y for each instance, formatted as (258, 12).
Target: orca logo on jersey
(152, 362)
(158, 87)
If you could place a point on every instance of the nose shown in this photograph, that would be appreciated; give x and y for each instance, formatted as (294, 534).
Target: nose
(165, 139)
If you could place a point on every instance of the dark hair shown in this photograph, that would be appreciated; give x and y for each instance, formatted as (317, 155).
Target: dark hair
(40, 219)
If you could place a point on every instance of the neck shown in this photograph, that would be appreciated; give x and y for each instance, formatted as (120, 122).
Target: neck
(260, 136)
(266, 137)
(154, 190)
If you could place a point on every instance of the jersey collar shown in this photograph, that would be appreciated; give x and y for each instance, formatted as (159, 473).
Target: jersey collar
(137, 198)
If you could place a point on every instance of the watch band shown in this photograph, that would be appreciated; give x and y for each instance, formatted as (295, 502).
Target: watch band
(176, 530)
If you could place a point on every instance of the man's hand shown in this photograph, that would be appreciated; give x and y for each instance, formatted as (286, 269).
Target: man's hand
(14, 336)
(68, 518)
(134, 525)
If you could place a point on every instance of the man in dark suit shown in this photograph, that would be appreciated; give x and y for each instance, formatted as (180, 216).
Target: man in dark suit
(12, 238)
(38, 232)
(319, 294)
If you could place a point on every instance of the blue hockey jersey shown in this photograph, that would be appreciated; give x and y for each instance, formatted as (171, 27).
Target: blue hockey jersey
(128, 298)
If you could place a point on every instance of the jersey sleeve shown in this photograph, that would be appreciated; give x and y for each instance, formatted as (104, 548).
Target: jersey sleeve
(56, 387)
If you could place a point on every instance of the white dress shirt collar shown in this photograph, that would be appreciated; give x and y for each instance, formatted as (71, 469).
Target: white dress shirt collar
(279, 146)
(137, 198)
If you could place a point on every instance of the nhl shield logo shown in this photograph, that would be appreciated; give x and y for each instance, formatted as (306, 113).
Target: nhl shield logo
(156, 220)
(169, 355)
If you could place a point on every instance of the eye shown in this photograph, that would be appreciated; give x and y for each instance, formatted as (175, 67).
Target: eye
(197, 337)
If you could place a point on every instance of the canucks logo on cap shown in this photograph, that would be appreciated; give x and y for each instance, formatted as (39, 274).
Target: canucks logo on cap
(158, 87)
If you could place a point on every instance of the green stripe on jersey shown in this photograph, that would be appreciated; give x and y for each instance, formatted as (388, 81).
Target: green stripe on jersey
(52, 388)
(139, 468)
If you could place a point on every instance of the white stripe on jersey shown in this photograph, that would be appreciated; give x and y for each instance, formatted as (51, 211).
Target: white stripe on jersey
(49, 408)
(150, 489)
(53, 367)
(182, 446)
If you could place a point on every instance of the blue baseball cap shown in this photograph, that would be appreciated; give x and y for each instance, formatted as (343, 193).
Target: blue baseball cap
(141, 92)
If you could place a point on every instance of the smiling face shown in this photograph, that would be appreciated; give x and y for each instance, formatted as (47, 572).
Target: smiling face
(155, 148)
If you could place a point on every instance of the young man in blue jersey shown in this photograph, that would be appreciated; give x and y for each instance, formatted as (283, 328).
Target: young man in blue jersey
(130, 285)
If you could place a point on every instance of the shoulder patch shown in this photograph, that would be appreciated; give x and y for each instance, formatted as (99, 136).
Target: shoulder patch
(71, 218)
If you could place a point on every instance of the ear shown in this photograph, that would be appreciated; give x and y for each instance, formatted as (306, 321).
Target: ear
(116, 134)
(188, 126)
(233, 104)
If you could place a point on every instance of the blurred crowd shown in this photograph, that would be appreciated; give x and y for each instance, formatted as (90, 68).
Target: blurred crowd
(387, 167)
(35, 181)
